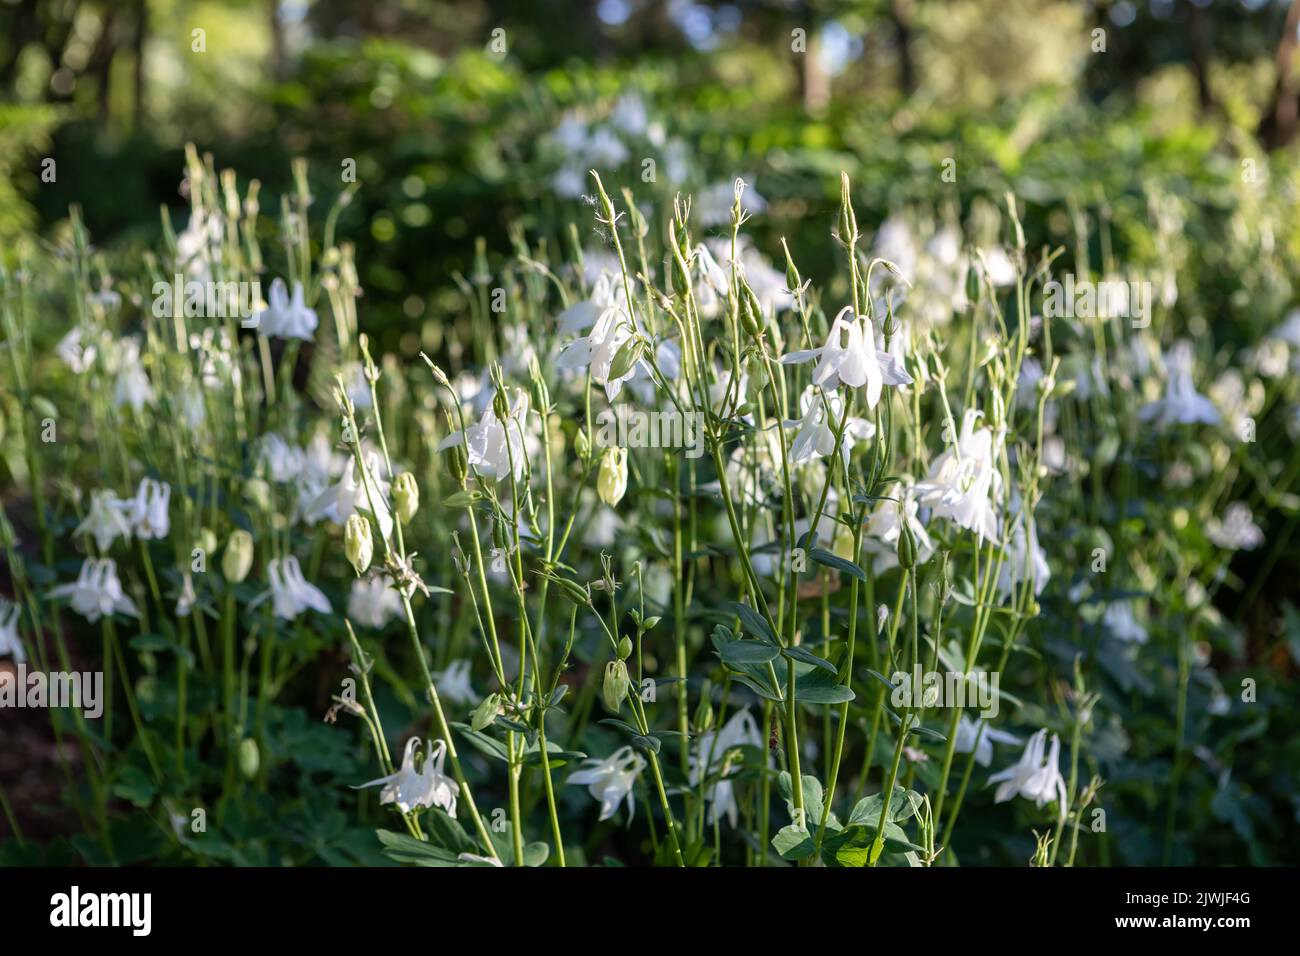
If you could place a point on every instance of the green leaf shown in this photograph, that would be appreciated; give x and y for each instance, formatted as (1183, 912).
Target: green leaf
(831, 560)
(482, 742)
(407, 849)
(753, 621)
(759, 688)
(793, 843)
(808, 657)
(461, 499)
(535, 854)
(748, 652)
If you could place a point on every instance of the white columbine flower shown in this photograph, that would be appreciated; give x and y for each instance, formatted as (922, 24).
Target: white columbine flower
(1237, 531)
(495, 447)
(977, 735)
(964, 483)
(285, 317)
(816, 435)
(97, 592)
(372, 602)
(131, 386)
(708, 759)
(1182, 403)
(283, 462)
(9, 642)
(1024, 558)
(453, 683)
(604, 313)
(850, 356)
(611, 780)
(147, 511)
(428, 787)
(338, 502)
(105, 521)
(885, 524)
(76, 354)
(289, 592)
(1035, 777)
(1123, 624)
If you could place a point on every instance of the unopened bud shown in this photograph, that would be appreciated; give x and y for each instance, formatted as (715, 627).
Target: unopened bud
(615, 687)
(358, 543)
(624, 648)
(249, 758)
(238, 558)
(406, 496)
(611, 483)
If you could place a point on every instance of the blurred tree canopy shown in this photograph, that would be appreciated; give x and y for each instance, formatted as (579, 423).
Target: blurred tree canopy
(446, 107)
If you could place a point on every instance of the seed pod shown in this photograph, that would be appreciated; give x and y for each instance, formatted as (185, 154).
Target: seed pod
(406, 496)
(238, 558)
(615, 687)
(358, 543)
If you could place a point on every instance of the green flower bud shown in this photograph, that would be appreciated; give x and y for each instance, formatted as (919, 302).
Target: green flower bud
(615, 687)
(238, 558)
(207, 540)
(358, 543)
(582, 445)
(624, 648)
(458, 463)
(258, 493)
(406, 496)
(249, 758)
(906, 548)
(485, 713)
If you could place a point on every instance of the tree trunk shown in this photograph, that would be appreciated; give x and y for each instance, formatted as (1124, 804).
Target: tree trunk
(1278, 127)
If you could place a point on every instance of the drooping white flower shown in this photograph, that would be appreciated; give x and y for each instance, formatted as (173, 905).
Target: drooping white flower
(453, 683)
(611, 780)
(76, 353)
(709, 283)
(1025, 558)
(850, 356)
(427, 787)
(1182, 404)
(97, 592)
(605, 314)
(975, 734)
(289, 591)
(816, 435)
(709, 759)
(186, 600)
(286, 317)
(9, 643)
(964, 483)
(885, 524)
(372, 602)
(1237, 530)
(1036, 776)
(340, 501)
(105, 521)
(147, 511)
(282, 461)
(494, 447)
(131, 386)
(1123, 624)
